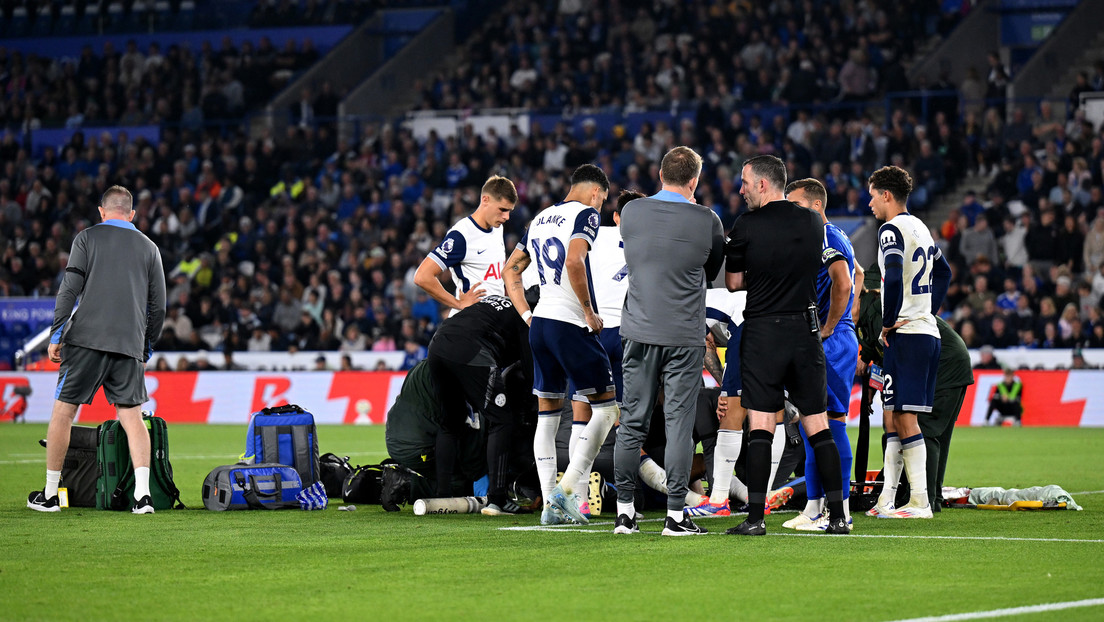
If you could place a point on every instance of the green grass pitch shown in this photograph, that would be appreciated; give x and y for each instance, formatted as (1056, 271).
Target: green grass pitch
(186, 565)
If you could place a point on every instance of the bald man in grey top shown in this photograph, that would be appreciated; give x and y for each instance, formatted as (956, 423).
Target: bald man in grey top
(673, 249)
(116, 272)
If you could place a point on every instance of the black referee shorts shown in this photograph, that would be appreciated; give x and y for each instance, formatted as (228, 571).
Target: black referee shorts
(779, 354)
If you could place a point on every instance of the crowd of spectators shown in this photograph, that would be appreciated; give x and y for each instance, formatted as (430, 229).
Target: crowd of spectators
(311, 242)
(128, 87)
(286, 13)
(1028, 254)
(642, 55)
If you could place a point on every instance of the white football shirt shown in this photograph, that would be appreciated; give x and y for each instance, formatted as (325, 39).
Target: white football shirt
(609, 274)
(906, 236)
(546, 242)
(724, 307)
(473, 255)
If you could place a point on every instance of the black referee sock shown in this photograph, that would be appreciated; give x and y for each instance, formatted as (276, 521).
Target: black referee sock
(828, 466)
(758, 471)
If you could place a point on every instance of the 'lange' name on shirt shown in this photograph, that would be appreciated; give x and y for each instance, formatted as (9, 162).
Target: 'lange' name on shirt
(554, 219)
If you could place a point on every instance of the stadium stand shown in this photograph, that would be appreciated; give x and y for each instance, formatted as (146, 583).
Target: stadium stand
(310, 240)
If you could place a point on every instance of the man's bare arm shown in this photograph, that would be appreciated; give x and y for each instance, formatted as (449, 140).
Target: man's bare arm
(712, 360)
(575, 266)
(841, 291)
(511, 280)
(428, 277)
(734, 281)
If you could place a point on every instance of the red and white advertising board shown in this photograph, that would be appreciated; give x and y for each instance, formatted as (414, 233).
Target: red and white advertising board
(1051, 398)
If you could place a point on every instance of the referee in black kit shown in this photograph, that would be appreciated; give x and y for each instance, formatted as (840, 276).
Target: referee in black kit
(775, 253)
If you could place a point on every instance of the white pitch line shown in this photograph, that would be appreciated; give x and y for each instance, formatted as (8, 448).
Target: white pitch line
(579, 529)
(1088, 492)
(996, 538)
(1011, 611)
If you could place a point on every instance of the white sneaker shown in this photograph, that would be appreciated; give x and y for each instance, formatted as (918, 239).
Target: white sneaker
(880, 511)
(552, 516)
(820, 523)
(911, 511)
(799, 520)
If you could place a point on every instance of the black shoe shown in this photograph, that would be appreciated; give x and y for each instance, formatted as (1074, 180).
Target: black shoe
(625, 525)
(685, 528)
(740, 508)
(143, 506)
(837, 526)
(37, 501)
(748, 528)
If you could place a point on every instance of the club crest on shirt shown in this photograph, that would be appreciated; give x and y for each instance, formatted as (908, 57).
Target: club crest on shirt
(889, 240)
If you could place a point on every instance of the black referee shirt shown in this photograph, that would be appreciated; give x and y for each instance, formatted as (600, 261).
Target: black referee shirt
(489, 333)
(778, 247)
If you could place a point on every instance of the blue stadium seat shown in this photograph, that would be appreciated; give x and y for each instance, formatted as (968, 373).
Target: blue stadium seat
(20, 23)
(114, 17)
(162, 15)
(88, 23)
(139, 16)
(19, 330)
(67, 21)
(185, 17)
(44, 22)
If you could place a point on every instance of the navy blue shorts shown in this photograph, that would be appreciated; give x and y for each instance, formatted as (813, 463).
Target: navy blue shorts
(730, 381)
(910, 364)
(610, 338)
(841, 353)
(563, 351)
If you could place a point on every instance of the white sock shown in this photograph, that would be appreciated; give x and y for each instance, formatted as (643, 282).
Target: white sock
(653, 475)
(778, 445)
(675, 515)
(544, 450)
(725, 455)
(590, 442)
(628, 509)
(738, 490)
(891, 471)
(915, 455)
(572, 443)
(53, 478)
(141, 483)
(813, 507)
(693, 498)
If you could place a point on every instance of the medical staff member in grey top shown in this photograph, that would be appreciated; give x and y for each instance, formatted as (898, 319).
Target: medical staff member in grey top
(115, 271)
(673, 249)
